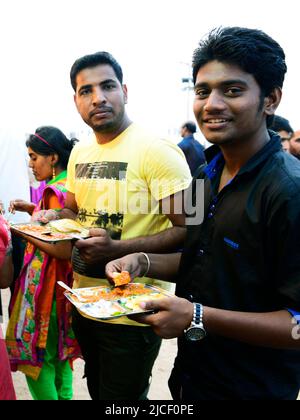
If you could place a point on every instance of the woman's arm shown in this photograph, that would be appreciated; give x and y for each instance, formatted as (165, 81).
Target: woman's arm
(6, 272)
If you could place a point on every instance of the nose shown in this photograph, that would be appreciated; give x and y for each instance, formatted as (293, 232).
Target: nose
(214, 102)
(98, 96)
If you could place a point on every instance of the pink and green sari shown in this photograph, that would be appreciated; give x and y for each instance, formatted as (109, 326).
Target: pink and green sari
(32, 302)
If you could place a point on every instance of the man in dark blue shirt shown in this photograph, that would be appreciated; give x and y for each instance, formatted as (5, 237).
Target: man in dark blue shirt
(238, 277)
(193, 150)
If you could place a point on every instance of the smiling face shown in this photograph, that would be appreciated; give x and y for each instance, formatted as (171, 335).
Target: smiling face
(228, 105)
(42, 166)
(100, 98)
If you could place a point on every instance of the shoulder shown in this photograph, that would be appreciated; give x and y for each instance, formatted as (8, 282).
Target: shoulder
(286, 173)
(182, 144)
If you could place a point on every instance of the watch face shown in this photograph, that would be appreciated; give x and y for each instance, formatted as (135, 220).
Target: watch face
(195, 333)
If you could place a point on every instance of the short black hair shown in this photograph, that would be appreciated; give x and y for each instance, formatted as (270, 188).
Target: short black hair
(55, 143)
(250, 49)
(190, 126)
(281, 124)
(93, 60)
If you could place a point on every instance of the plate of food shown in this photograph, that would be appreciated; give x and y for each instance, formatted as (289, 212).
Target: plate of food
(108, 302)
(54, 231)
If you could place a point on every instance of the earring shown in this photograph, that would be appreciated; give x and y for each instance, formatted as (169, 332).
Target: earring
(53, 172)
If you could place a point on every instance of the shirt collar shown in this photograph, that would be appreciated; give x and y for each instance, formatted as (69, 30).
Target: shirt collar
(215, 158)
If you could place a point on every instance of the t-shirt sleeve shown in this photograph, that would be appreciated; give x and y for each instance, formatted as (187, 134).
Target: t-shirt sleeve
(166, 170)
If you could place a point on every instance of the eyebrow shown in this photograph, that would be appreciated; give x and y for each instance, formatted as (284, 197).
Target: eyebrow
(224, 83)
(90, 85)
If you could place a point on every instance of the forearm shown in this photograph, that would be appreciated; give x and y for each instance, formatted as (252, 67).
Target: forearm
(29, 209)
(6, 273)
(162, 266)
(169, 240)
(61, 250)
(272, 329)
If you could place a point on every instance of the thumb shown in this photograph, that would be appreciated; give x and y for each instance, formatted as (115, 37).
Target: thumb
(153, 305)
(97, 232)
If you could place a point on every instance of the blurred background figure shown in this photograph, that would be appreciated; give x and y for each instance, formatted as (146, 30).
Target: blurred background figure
(295, 144)
(193, 150)
(282, 126)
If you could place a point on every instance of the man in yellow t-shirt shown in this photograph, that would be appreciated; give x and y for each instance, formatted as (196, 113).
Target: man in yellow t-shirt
(123, 186)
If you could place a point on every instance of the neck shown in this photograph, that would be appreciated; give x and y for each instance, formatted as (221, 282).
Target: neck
(236, 155)
(103, 138)
(58, 171)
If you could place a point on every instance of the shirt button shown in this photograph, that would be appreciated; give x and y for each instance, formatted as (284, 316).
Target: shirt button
(210, 215)
(191, 298)
(201, 252)
(213, 207)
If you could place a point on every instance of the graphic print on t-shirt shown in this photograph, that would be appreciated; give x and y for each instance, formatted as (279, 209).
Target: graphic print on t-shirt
(101, 216)
(104, 184)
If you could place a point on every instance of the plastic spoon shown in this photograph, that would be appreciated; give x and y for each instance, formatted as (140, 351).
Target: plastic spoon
(62, 284)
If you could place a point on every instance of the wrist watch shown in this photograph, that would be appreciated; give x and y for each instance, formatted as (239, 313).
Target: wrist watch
(196, 330)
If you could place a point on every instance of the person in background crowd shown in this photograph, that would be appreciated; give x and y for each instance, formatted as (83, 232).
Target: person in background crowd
(39, 338)
(238, 278)
(295, 144)
(282, 127)
(124, 187)
(192, 149)
(7, 391)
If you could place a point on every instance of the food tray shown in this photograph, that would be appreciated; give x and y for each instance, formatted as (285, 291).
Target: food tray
(104, 302)
(43, 232)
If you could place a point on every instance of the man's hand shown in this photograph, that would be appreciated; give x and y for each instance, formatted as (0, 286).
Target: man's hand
(173, 316)
(98, 248)
(135, 264)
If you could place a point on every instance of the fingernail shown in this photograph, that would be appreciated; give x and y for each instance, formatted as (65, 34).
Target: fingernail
(143, 305)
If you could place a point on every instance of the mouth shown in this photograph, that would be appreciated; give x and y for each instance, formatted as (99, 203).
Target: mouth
(101, 112)
(216, 123)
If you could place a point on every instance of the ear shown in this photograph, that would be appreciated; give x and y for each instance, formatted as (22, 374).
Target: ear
(272, 101)
(54, 159)
(75, 100)
(125, 92)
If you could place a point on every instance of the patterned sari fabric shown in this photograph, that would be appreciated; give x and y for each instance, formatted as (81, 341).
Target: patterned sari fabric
(6, 385)
(4, 238)
(35, 290)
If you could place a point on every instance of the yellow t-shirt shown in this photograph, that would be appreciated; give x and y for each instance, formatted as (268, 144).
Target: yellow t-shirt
(118, 186)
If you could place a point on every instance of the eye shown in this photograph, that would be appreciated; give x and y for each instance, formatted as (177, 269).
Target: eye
(201, 93)
(85, 92)
(109, 86)
(233, 91)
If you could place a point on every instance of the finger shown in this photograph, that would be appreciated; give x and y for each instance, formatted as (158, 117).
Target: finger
(112, 268)
(82, 243)
(155, 305)
(147, 318)
(97, 232)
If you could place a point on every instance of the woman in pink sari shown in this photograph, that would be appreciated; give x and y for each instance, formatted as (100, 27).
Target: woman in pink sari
(40, 340)
(7, 391)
